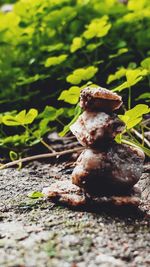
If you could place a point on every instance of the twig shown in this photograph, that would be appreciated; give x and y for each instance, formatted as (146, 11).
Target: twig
(40, 156)
(141, 137)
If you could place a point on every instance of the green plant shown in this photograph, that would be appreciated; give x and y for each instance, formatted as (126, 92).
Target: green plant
(35, 195)
(132, 118)
(50, 49)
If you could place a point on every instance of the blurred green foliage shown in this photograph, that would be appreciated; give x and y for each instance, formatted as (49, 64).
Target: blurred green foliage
(51, 49)
(3, 2)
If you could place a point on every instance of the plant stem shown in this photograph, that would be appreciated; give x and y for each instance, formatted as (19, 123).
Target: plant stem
(132, 137)
(60, 122)
(124, 141)
(46, 145)
(141, 137)
(40, 156)
(137, 145)
(41, 140)
(129, 98)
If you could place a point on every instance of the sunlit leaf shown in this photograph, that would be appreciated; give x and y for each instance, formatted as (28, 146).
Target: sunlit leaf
(133, 116)
(132, 77)
(67, 127)
(146, 64)
(77, 43)
(120, 52)
(22, 118)
(82, 74)
(35, 195)
(70, 96)
(117, 75)
(30, 116)
(52, 61)
(97, 28)
(51, 48)
(134, 5)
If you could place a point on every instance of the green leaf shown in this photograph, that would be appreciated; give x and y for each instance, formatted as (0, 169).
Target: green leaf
(71, 95)
(35, 194)
(22, 118)
(90, 73)
(133, 116)
(133, 122)
(97, 28)
(77, 43)
(67, 127)
(117, 75)
(120, 52)
(82, 74)
(133, 5)
(118, 138)
(92, 46)
(138, 110)
(30, 80)
(10, 121)
(53, 61)
(51, 48)
(15, 140)
(146, 64)
(29, 117)
(132, 77)
(51, 113)
(144, 96)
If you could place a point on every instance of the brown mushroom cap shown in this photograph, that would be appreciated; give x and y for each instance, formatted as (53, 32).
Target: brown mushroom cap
(99, 98)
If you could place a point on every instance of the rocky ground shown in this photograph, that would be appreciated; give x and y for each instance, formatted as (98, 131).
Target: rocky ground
(38, 233)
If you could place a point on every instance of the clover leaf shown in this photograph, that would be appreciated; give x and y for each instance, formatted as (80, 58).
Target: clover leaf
(132, 77)
(35, 195)
(22, 118)
(133, 116)
(70, 96)
(77, 43)
(52, 61)
(82, 74)
(97, 28)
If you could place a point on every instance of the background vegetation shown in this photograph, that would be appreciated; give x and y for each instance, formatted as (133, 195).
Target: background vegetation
(51, 49)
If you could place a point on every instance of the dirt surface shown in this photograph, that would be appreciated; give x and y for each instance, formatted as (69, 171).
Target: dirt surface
(38, 233)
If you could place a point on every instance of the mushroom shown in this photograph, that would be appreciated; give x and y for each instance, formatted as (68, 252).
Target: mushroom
(92, 128)
(112, 171)
(99, 99)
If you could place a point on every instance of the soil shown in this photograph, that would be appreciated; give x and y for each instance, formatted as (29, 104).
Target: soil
(39, 233)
